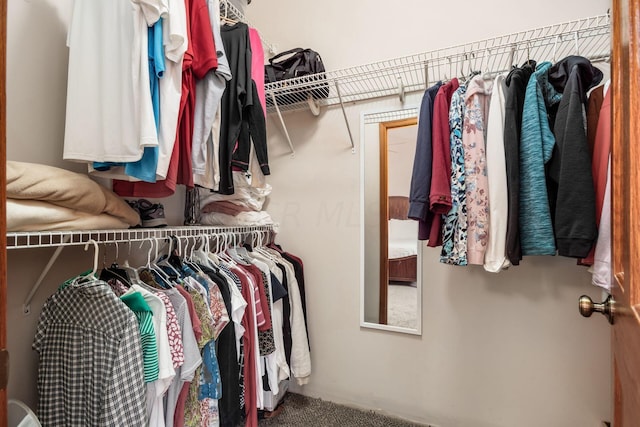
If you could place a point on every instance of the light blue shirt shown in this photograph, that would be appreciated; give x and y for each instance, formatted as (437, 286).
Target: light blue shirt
(145, 168)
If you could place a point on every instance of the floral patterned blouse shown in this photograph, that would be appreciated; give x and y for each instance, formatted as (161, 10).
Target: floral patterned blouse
(454, 230)
(477, 101)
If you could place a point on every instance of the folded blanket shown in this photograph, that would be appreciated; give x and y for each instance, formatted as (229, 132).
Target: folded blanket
(74, 191)
(33, 215)
(244, 194)
(225, 207)
(243, 218)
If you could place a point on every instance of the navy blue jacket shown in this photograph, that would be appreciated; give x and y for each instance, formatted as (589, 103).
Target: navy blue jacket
(421, 176)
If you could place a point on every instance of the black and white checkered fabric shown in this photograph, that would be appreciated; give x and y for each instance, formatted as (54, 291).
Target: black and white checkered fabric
(90, 371)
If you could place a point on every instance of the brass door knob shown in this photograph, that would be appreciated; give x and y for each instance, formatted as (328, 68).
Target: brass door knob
(587, 307)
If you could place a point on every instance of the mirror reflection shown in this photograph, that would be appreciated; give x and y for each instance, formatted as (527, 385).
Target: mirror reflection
(391, 255)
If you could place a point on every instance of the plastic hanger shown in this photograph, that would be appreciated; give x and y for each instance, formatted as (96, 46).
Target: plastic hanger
(472, 70)
(189, 259)
(131, 272)
(222, 253)
(213, 256)
(114, 271)
(164, 279)
(91, 275)
(225, 20)
(200, 255)
(96, 254)
(261, 248)
(161, 261)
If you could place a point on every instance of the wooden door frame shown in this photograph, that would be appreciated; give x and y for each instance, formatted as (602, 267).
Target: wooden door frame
(3, 190)
(625, 211)
(384, 212)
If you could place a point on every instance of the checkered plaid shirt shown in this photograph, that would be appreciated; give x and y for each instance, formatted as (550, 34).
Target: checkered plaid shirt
(91, 370)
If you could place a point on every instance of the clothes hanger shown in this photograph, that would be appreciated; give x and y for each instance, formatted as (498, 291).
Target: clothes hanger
(426, 75)
(491, 65)
(163, 261)
(114, 271)
(174, 258)
(159, 274)
(225, 20)
(200, 255)
(260, 248)
(232, 250)
(222, 253)
(131, 272)
(211, 255)
(472, 70)
(91, 275)
(188, 259)
(461, 72)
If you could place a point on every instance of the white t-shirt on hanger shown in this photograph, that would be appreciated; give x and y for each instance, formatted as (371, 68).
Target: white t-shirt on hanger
(109, 115)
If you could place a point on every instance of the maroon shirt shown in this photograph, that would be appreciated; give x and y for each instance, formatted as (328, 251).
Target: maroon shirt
(440, 194)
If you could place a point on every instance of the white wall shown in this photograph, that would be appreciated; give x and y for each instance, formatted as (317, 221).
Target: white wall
(401, 151)
(507, 350)
(497, 350)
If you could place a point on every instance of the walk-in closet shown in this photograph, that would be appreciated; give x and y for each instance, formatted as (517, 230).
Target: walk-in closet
(433, 223)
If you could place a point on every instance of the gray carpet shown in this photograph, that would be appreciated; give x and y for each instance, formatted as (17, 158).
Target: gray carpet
(402, 305)
(302, 411)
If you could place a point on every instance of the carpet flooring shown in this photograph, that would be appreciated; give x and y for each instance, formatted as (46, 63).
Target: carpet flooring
(402, 306)
(303, 411)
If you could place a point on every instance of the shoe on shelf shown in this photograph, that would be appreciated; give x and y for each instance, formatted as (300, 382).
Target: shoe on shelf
(133, 204)
(151, 214)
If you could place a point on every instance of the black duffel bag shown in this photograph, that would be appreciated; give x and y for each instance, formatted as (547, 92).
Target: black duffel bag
(293, 63)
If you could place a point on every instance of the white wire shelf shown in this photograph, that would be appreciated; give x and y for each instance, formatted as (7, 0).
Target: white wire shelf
(60, 239)
(47, 239)
(588, 37)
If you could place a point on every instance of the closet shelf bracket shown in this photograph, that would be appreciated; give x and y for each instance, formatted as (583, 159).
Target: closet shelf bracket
(346, 120)
(282, 123)
(26, 307)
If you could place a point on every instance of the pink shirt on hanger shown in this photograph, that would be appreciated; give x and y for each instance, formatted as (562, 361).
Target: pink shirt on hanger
(257, 65)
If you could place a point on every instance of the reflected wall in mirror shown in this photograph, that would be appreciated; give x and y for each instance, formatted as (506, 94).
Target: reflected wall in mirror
(391, 255)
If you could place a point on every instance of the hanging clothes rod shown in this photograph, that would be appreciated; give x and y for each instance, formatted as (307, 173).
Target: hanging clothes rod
(588, 37)
(45, 239)
(60, 239)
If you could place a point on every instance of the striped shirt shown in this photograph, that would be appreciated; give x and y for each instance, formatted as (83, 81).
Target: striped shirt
(135, 301)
